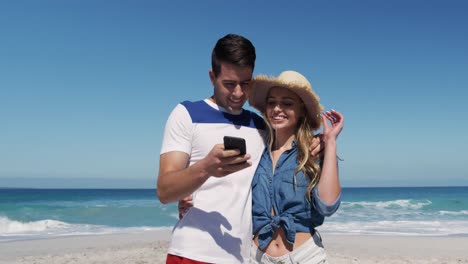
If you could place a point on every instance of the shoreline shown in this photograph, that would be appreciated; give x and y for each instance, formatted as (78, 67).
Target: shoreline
(151, 247)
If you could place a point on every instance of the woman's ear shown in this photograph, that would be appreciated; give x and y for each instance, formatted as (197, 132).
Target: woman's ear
(303, 111)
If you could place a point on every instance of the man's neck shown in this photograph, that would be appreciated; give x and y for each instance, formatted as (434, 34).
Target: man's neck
(224, 109)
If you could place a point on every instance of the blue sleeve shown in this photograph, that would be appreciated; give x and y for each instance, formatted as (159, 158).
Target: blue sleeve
(324, 208)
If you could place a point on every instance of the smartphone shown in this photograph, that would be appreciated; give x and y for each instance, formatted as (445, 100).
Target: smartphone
(235, 143)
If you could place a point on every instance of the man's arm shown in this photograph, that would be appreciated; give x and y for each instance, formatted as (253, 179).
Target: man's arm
(177, 180)
(174, 180)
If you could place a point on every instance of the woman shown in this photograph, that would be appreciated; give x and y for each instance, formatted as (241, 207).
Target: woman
(292, 191)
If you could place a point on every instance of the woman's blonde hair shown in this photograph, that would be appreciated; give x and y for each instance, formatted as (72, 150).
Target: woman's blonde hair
(308, 164)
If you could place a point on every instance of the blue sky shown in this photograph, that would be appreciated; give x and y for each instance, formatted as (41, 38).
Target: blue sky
(86, 86)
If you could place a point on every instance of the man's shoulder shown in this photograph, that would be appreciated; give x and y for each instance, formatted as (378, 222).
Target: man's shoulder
(196, 108)
(253, 114)
(202, 113)
(190, 104)
(255, 120)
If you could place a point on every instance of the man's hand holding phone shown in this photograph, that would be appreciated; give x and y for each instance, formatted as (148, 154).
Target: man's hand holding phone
(236, 143)
(221, 161)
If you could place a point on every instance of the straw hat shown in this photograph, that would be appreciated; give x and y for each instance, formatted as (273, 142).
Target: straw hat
(292, 81)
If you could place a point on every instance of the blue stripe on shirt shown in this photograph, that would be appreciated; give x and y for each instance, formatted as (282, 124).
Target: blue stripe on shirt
(201, 112)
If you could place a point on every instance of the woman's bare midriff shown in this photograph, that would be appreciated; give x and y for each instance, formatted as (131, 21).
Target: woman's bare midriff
(279, 246)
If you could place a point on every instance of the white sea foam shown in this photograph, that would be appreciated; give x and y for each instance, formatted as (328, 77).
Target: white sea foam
(403, 203)
(17, 230)
(8, 226)
(463, 212)
(175, 215)
(433, 228)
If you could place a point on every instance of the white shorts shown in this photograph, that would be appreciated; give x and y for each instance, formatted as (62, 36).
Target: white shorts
(311, 252)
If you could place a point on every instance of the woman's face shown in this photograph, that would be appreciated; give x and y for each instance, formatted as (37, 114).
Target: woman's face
(283, 110)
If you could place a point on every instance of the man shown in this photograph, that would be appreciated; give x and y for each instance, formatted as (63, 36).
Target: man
(217, 229)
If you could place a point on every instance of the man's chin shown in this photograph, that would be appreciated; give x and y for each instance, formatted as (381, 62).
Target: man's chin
(235, 110)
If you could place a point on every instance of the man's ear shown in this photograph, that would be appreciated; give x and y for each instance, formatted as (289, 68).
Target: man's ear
(212, 76)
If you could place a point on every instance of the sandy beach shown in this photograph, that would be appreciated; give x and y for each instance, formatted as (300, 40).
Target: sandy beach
(151, 248)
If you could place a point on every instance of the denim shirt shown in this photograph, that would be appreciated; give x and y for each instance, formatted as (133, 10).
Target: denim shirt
(276, 190)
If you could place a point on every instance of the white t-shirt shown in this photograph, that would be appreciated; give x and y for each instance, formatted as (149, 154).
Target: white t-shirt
(218, 228)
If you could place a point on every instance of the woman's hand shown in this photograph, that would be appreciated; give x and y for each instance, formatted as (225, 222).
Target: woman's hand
(333, 123)
(184, 205)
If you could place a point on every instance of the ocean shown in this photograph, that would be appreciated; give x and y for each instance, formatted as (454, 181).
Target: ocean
(44, 213)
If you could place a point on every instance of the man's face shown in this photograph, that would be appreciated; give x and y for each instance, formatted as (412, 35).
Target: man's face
(230, 86)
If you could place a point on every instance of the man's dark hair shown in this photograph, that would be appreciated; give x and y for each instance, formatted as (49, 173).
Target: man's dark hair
(233, 49)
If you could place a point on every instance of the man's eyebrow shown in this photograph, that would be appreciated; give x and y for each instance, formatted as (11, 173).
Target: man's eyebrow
(248, 80)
